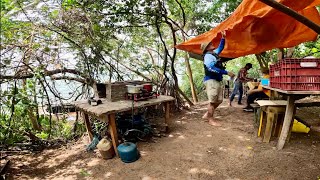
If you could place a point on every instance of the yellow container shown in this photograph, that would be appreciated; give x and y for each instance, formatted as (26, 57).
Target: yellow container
(298, 127)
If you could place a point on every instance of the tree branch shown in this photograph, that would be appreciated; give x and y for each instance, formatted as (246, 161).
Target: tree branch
(183, 13)
(69, 78)
(47, 73)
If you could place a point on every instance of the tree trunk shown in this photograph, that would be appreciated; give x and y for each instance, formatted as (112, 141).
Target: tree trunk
(185, 97)
(31, 110)
(189, 71)
(262, 62)
(33, 119)
(280, 54)
(293, 14)
(290, 52)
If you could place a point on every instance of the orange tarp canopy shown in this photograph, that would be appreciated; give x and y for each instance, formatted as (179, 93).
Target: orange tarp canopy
(255, 27)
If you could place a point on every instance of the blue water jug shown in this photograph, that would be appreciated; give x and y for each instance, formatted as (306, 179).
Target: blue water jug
(128, 152)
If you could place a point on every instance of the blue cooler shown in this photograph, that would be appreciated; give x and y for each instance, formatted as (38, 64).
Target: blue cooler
(265, 82)
(128, 152)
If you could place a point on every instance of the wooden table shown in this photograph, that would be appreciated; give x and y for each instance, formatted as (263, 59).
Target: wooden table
(106, 112)
(290, 109)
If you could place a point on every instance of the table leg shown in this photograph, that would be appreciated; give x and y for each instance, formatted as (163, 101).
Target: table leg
(274, 130)
(269, 125)
(274, 95)
(261, 121)
(286, 122)
(113, 132)
(290, 130)
(167, 112)
(88, 125)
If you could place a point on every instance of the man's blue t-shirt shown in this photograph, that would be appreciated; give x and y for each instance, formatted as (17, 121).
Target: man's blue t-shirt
(210, 62)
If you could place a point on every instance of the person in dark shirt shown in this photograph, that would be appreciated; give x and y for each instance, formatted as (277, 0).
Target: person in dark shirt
(257, 93)
(213, 76)
(238, 84)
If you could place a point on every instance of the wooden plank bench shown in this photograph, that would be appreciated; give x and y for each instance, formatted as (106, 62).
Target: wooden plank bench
(271, 113)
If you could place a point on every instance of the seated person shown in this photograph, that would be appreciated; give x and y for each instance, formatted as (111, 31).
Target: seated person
(257, 93)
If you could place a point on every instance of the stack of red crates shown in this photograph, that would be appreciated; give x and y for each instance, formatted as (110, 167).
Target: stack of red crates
(296, 74)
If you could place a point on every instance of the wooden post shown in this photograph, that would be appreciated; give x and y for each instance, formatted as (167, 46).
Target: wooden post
(167, 112)
(289, 132)
(88, 125)
(291, 125)
(113, 132)
(274, 130)
(274, 95)
(262, 117)
(286, 122)
(268, 129)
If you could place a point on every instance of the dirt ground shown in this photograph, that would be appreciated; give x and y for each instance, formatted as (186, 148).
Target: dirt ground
(192, 150)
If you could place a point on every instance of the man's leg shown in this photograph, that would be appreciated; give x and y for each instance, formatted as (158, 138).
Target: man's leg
(240, 92)
(252, 97)
(211, 108)
(217, 102)
(261, 95)
(214, 105)
(234, 92)
(213, 88)
(208, 85)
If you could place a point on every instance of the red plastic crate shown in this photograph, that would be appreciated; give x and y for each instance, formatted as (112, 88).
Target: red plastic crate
(275, 76)
(296, 74)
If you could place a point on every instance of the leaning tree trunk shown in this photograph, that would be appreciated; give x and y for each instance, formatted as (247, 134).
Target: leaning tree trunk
(31, 110)
(262, 62)
(280, 54)
(189, 71)
(290, 52)
(167, 54)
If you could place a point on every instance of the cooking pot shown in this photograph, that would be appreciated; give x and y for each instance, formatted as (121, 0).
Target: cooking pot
(147, 87)
(134, 88)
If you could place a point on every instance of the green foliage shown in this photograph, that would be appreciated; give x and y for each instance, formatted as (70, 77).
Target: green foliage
(238, 63)
(16, 126)
(198, 75)
(20, 126)
(84, 173)
(308, 49)
(6, 6)
(42, 135)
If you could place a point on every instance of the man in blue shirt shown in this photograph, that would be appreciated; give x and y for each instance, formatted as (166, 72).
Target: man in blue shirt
(214, 71)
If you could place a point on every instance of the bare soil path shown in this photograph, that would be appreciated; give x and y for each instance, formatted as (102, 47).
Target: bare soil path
(192, 150)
